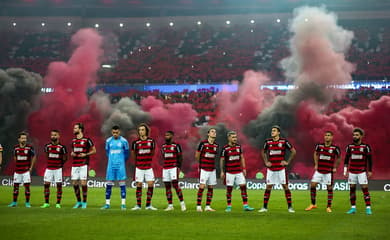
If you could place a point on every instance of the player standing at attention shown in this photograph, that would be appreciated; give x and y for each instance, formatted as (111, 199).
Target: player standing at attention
(82, 148)
(232, 162)
(24, 156)
(142, 151)
(206, 155)
(273, 153)
(327, 158)
(358, 168)
(173, 158)
(117, 151)
(56, 157)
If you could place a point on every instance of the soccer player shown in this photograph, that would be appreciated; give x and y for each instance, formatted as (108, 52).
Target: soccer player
(327, 158)
(24, 156)
(358, 168)
(232, 162)
(273, 153)
(172, 156)
(56, 157)
(82, 148)
(117, 151)
(142, 151)
(206, 155)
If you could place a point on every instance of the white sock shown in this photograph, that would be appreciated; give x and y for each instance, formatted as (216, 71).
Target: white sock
(123, 201)
(108, 201)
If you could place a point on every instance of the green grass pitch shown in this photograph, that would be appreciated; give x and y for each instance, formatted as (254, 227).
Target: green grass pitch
(93, 223)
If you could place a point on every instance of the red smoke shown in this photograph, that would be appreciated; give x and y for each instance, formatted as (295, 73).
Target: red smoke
(68, 103)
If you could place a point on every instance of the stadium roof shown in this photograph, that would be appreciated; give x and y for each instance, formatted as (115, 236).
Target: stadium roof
(161, 8)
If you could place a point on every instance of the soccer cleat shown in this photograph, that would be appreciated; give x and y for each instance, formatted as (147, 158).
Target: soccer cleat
(28, 205)
(291, 210)
(169, 208)
(105, 206)
(123, 207)
(84, 205)
(351, 211)
(45, 205)
(368, 211)
(136, 208)
(248, 208)
(58, 205)
(13, 204)
(228, 209)
(263, 210)
(209, 209)
(311, 207)
(199, 209)
(150, 207)
(183, 206)
(328, 210)
(77, 205)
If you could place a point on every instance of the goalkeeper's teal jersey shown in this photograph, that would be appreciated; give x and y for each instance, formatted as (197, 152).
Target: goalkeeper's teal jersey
(117, 151)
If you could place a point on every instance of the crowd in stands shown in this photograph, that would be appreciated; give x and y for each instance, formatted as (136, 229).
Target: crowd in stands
(197, 54)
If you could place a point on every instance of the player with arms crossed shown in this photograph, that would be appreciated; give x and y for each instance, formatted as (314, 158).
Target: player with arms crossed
(82, 148)
(56, 157)
(327, 158)
(232, 162)
(273, 153)
(117, 151)
(173, 158)
(206, 155)
(358, 168)
(24, 156)
(142, 151)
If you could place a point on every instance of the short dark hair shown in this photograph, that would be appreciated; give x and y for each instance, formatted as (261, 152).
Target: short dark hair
(330, 132)
(359, 130)
(171, 132)
(81, 126)
(211, 129)
(231, 133)
(146, 128)
(55, 130)
(276, 126)
(115, 127)
(22, 134)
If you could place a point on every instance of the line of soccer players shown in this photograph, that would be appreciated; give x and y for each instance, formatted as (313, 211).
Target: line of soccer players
(327, 157)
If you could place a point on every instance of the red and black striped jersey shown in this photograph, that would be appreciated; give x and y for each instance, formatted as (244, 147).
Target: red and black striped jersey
(23, 156)
(81, 145)
(144, 151)
(208, 155)
(171, 154)
(232, 158)
(55, 155)
(276, 151)
(358, 158)
(326, 157)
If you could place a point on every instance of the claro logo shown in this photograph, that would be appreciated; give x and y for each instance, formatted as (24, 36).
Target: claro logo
(386, 187)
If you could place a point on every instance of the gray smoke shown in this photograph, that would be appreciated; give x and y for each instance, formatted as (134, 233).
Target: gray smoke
(317, 62)
(126, 113)
(20, 91)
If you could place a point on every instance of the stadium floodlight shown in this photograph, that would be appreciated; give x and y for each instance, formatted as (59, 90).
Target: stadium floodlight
(43, 24)
(121, 25)
(148, 24)
(14, 24)
(252, 21)
(150, 47)
(252, 31)
(306, 19)
(69, 24)
(227, 22)
(150, 68)
(199, 22)
(171, 24)
(96, 25)
(107, 66)
(278, 20)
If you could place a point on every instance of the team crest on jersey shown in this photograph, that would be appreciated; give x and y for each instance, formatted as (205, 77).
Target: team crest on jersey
(215, 149)
(119, 144)
(280, 144)
(361, 149)
(330, 150)
(82, 143)
(25, 151)
(238, 150)
(149, 144)
(172, 148)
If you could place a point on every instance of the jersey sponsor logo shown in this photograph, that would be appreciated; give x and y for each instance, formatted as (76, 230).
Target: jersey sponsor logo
(275, 152)
(54, 155)
(115, 151)
(168, 155)
(76, 149)
(232, 158)
(209, 155)
(143, 151)
(323, 157)
(357, 156)
(22, 158)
